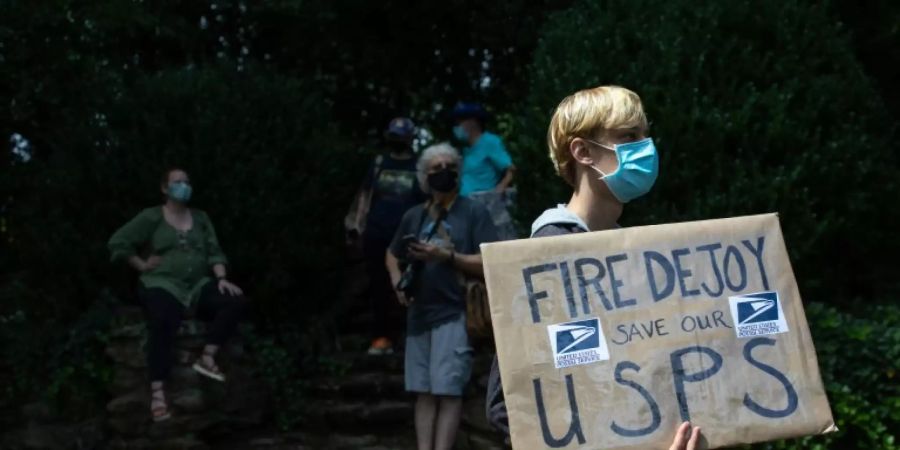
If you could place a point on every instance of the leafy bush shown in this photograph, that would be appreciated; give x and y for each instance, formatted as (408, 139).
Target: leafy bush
(279, 371)
(286, 370)
(754, 106)
(66, 367)
(859, 356)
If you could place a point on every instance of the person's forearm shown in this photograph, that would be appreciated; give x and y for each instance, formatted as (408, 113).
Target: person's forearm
(469, 264)
(393, 267)
(219, 271)
(507, 179)
(136, 262)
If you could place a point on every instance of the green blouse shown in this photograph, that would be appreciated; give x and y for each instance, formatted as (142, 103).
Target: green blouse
(187, 257)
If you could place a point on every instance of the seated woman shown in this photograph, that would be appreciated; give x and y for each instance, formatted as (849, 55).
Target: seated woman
(174, 248)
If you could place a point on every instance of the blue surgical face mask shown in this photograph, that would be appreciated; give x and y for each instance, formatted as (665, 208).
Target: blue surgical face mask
(637, 171)
(460, 133)
(180, 191)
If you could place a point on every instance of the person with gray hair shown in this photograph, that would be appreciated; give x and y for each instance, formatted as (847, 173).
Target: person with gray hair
(435, 248)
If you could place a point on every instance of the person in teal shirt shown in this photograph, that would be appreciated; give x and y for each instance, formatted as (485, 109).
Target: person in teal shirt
(487, 169)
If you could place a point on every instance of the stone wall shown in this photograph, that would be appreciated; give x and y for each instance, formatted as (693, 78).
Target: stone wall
(361, 406)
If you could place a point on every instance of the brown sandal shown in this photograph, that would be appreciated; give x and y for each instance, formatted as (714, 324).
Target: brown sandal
(158, 407)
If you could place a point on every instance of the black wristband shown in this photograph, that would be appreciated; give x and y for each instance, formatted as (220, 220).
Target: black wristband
(452, 256)
(220, 277)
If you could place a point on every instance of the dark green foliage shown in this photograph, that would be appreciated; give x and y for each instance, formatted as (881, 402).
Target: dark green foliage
(378, 59)
(67, 369)
(873, 27)
(281, 375)
(755, 107)
(859, 356)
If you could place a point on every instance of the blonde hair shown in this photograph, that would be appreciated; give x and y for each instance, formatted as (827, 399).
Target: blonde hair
(586, 113)
(441, 149)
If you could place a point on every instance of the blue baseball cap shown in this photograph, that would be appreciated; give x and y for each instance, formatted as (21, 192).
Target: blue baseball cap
(469, 111)
(400, 128)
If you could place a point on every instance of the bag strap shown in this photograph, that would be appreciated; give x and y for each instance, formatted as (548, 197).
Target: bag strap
(375, 173)
(442, 214)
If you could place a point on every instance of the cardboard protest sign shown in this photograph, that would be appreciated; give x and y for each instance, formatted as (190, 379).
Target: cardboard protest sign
(609, 340)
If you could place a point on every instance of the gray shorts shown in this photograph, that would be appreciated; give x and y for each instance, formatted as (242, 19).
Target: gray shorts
(439, 361)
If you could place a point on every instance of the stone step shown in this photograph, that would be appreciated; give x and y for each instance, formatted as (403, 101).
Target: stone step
(473, 440)
(129, 352)
(135, 425)
(188, 328)
(355, 416)
(127, 315)
(359, 361)
(88, 434)
(126, 379)
(365, 385)
(309, 441)
(188, 401)
(401, 439)
(176, 443)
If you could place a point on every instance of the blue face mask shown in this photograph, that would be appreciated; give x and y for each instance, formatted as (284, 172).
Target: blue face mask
(460, 133)
(180, 191)
(638, 169)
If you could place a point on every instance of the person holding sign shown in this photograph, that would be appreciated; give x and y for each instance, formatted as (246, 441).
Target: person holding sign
(599, 145)
(438, 243)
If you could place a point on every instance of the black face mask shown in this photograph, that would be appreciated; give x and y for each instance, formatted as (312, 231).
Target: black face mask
(443, 181)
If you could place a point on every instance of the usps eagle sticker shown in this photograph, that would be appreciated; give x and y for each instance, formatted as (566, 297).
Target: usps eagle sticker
(757, 314)
(577, 343)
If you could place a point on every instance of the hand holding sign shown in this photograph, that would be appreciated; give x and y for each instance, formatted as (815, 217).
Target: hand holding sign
(686, 438)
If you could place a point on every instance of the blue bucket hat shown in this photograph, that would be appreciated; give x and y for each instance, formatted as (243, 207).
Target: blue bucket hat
(400, 128)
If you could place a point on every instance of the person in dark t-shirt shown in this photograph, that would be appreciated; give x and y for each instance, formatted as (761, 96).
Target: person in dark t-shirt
(392, 185)
(435, 249)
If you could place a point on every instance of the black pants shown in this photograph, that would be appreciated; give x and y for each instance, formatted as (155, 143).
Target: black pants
(383, 304)
(164, 315)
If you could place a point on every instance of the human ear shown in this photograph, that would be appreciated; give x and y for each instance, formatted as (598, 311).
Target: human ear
(580, 151)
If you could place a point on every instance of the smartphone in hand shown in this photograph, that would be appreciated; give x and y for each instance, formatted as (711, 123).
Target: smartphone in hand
(404, 244)
(406, 240)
